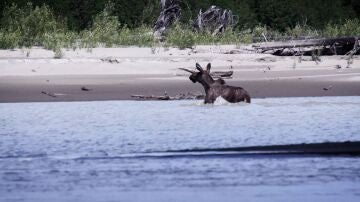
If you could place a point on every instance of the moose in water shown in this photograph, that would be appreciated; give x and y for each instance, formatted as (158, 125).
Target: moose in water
(215, 88)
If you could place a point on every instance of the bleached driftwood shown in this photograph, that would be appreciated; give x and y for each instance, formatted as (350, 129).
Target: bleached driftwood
(170, 12)
(48, 94)
(217, 74)
(181, 96)
(214, 20)
(110, 60)
(329, 46)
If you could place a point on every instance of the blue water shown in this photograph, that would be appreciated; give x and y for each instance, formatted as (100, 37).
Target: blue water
(91, 151)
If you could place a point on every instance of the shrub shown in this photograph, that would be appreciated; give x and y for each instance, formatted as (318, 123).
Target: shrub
(350, 27)
(259, 30)
(30, 24)
(103, 32)
(56, 41)
(141, 36)
(180, 37)
(301, 31)
(9, 40)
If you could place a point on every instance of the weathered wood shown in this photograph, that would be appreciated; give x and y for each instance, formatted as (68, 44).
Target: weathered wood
(151, 97)
(214, 20)
(181, 96)
(280, 38)
(219, 74)
(110, 60)
(170, 12)
(83, 88)
(324, 46)
(49, 94)
(307, 43)
(353, 52)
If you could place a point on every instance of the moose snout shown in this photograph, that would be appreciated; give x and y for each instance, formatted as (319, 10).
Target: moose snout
(192, 78)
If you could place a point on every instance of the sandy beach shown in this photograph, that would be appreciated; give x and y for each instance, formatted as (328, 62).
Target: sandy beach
(118, 73)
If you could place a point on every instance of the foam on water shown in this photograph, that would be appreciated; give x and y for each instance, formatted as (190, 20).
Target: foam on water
(218, 102)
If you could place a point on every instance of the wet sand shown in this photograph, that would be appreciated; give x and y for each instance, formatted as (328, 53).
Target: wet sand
(29, 89)
(137, 71)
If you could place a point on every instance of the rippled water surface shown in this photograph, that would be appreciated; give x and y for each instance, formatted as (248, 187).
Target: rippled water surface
(95, 151)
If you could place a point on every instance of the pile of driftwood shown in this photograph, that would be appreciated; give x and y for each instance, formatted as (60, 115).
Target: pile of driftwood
(324, 46)
(170, 12)
(181, 96)
(110, 60)
(214, 20)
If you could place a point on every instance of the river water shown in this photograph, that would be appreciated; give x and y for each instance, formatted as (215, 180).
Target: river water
(119, 150)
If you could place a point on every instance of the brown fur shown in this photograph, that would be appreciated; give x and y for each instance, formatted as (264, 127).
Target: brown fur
(215, 88)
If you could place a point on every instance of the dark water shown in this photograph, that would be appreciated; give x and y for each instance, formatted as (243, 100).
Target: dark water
(116, 151)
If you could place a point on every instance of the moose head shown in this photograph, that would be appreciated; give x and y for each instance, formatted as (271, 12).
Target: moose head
(202, 76)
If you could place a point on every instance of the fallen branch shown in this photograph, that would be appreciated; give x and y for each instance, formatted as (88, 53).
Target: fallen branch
(353, 52)
(110, 60)
(214, 20)
(170, 13)
(151, 97)
(307, 43)
(48, 94)
(331, 46)
(181, 96)
(234, 52)
(218, 74)
(85, 89)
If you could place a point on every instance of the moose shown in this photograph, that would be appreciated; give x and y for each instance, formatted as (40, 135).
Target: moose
(215, 88)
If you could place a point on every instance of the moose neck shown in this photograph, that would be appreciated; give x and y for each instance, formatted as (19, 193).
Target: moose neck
(206, 82)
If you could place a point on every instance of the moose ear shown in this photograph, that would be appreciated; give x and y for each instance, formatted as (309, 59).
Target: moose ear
(208, 67)
(198, 67)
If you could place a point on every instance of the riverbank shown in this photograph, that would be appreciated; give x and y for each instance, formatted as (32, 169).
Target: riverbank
(117, 73)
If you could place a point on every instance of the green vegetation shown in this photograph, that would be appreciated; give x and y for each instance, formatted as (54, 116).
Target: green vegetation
(348, 28)
(58, 24)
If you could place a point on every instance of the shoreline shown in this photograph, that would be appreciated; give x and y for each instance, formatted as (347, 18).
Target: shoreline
(101, 88)
(118, 73)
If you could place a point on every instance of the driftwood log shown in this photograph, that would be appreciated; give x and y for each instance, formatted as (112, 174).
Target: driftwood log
(217, 74)
(181, 96)
(49, 94)
(214, 20)
(327, 46)
(226, 74)
(110, 60)
(170, 13)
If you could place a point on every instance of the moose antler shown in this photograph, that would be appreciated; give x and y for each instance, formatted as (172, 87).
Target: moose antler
(188, 70)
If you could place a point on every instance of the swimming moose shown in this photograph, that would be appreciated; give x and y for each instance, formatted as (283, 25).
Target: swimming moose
(215, 88)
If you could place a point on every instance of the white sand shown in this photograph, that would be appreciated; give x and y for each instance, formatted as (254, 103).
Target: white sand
(134, 60)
